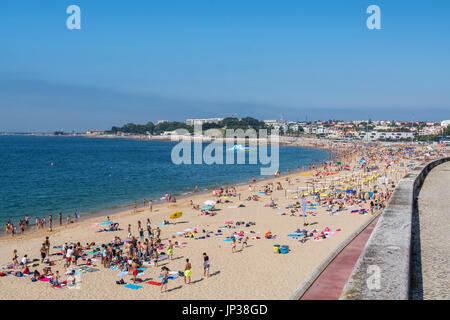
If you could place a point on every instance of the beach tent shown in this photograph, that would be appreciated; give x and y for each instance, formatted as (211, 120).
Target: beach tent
(209, 202)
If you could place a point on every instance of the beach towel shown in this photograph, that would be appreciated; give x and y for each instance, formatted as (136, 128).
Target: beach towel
(133, 286)
(142, 269)
(296, 235)
(122, 274)
(45, 279)
(154, 283)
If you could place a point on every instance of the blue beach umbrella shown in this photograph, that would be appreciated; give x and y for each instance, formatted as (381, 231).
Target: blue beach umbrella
(106, 223)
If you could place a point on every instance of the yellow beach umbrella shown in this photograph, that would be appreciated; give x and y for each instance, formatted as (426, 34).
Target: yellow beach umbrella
(176, 215)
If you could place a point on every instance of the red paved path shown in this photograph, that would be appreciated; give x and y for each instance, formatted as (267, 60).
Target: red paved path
(329, 285)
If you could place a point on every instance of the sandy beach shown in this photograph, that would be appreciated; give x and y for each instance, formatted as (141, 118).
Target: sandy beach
(255, 272)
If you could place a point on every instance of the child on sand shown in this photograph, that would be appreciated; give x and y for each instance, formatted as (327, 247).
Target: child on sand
(170, 250)
(55, 279)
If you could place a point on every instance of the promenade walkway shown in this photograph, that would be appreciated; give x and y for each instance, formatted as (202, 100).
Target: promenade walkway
(329, 285)
(434, 230)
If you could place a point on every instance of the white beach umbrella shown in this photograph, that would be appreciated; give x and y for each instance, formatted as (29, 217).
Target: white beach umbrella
(209, 202)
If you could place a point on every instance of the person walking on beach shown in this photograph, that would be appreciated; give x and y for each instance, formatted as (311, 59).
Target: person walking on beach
(50, 223)
(187, 272)
(135, 206)
(233, 245)
(150, 205)
(205, 265)
(60, 218)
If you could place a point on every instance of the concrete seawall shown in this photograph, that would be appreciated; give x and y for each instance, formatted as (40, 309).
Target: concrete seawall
(383, 271)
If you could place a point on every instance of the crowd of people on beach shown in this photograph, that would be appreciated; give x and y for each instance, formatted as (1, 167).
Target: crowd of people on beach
(40, 223)
(356, 166)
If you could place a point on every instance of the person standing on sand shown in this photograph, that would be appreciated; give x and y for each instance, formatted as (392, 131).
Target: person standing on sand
(47, 246)
(170, 250)
(14, 259)
(69, 256)
(135, 206)
(165, 278)
(43, 253)
(205, 265)
(134, 269)
(150, 205)
(27, 222)
(50, 223)
(233, 245)
(187, 272)
(60, 218)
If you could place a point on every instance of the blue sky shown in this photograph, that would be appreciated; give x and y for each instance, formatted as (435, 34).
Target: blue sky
(139, 61)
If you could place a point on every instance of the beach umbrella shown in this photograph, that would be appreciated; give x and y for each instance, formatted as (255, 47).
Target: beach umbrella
(175, 215)
(209, 202)
(106, 223)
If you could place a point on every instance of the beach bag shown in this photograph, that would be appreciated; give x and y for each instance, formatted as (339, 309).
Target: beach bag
(2, 274)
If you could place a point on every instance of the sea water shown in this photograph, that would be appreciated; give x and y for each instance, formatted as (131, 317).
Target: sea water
(42, 176)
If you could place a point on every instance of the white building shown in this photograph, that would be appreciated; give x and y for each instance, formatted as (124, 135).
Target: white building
(161, 121)
(376, 135)
(428, 131)
(191, 122)
(95, 132)
(445, 123)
